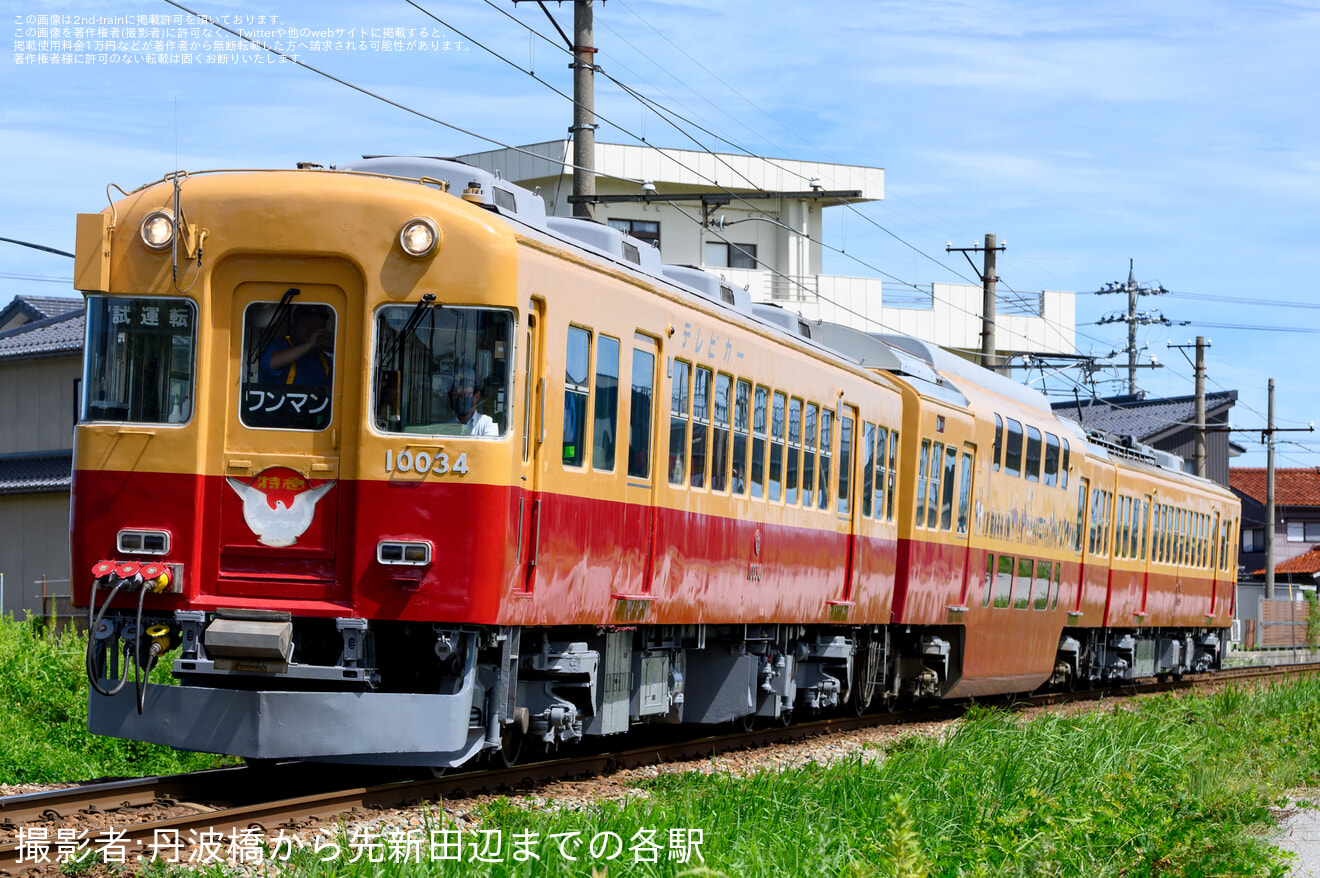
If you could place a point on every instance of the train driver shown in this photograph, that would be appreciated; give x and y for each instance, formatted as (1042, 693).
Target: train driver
(299, 358)
(464, 395)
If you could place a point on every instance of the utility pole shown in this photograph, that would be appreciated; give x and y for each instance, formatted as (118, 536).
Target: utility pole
(1198, 453)
(1269, 498)
(1132, 317)
(988, 281)
(583, 129)
(1198, 457)
(1267, 439)
(584, 109)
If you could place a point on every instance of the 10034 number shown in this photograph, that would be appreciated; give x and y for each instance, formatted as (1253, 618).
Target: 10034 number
(423, 462)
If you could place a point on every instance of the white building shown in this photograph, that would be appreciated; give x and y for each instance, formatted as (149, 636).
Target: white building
(771, 245)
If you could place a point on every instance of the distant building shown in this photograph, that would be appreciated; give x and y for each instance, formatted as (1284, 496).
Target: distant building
(773, 245)
(1167, 424)
(41, 341)
(1296, 522)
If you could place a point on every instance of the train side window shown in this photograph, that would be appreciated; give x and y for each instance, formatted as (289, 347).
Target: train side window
(1022, 584)
(1040, 591)
(527, 389)
(1033, 454)
(140, 362)
(1080, 533)
(999, 443)
(1145, 525)
(933, 494)
(639, 414)
(794, 452)
(777, 446)
(826, 457)
(1106, 515)
(1013, 449)
(965, 490)
(1051, 476)
(989, 579)
(742, 425)
(719, 449)
(1094, 538)
(1136, 528)
(577, 388)
(845, 463)
(700, 425)
(946, 499)
(1058, 584)
(1177, 536)
(922, 461)
(1121, 549)
(881, 448)
(892, 475)
(758, 441)
(1063, 467)
(605, 431)
(678, 420)
(1004, 582)
(809, 455)
(1162, 521)
(868, 468)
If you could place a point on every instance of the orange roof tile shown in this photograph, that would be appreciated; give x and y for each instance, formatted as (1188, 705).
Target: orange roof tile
(1293, 486)
(1307, 562)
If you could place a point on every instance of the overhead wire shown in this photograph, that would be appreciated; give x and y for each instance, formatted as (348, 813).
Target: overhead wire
(357, 88)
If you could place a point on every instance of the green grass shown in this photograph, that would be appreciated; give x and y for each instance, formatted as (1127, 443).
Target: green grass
(43, 715)
(1168, 785)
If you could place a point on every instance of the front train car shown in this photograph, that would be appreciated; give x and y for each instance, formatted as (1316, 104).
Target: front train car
(266, 354)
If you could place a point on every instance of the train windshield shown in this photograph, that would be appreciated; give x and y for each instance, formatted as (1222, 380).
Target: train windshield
(288, 366)
(441, 370)
(139, 364)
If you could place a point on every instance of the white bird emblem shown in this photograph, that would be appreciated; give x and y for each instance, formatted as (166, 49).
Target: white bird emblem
(282, 525)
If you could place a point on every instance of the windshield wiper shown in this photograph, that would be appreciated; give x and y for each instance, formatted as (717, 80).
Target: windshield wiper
(395, 348)
(272, 328)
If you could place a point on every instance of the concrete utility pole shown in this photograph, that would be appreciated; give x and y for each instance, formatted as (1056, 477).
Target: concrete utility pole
(1199, 456)
(1132, 318)
(584, 109)
(988, 281)
(1269, 498)
(1198, 452)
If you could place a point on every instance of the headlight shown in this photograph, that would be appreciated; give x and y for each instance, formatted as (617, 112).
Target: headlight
(158, 229)
(419, 237)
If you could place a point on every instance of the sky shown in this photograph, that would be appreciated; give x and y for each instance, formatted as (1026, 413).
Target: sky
(1184, 136)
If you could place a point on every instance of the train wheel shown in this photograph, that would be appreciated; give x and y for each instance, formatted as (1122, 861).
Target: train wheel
(511, 746)
(745, 723)
(439, 771)
(786, 717)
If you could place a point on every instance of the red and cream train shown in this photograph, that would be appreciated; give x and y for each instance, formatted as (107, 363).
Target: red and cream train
(410, 471)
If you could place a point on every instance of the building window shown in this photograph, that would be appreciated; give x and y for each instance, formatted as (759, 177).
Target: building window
(1313, 531)
(1295, 532)
(642, 230)
(721, 254)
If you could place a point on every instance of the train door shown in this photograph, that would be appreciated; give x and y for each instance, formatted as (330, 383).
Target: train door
(533, 446)
(846, 517)
(637, 549)
(293, 390)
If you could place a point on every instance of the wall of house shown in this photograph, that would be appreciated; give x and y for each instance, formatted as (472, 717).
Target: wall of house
(34, 542)
(37, 402)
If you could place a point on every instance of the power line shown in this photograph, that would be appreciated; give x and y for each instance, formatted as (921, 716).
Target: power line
(371, 94)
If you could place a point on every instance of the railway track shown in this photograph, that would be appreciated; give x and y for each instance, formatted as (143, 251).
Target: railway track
(237, 801)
